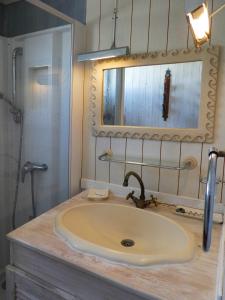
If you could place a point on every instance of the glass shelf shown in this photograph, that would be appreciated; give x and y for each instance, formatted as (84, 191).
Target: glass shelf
(188, 164)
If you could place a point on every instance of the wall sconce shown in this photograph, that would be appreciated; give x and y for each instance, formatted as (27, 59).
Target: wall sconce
(198, 18)
(107, 53)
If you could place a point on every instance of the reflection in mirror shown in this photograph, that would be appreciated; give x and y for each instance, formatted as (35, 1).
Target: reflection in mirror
(163, 96)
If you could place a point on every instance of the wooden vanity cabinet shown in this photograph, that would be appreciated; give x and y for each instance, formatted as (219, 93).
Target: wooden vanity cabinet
(32, 275)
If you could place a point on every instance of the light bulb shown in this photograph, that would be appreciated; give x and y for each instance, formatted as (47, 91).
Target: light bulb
(200, 24)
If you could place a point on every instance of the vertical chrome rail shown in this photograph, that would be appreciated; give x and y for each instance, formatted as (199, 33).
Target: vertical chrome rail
(210, 196)
(17, 114)
(18, 118)
(17, 51)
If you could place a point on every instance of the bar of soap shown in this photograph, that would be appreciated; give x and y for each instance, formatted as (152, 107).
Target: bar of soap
(98, 194)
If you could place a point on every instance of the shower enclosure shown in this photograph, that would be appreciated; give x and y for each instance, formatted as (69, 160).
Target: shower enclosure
(35, 81)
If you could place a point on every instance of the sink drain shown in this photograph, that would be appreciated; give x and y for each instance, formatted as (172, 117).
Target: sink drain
(127, 243)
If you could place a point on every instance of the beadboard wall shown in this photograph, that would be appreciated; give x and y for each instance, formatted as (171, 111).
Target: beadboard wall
(150, 25)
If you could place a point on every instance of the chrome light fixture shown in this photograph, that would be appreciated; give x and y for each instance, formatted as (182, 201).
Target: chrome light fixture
(199, 20)
(103, 54)
(107, 53)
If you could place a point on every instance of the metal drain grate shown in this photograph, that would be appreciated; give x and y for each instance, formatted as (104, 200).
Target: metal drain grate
(127, 243)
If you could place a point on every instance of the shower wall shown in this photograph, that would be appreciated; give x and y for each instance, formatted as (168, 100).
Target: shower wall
(43, 93)
(5, 194)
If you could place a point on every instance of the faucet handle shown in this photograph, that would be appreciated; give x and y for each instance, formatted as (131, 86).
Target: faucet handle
(153, 200)
(130, 195)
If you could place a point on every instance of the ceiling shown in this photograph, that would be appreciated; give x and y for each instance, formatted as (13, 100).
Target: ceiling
(8, 1)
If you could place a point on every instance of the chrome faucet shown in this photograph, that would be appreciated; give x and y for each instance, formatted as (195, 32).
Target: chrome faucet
(30, 167)
(214, 154)
(139, 202)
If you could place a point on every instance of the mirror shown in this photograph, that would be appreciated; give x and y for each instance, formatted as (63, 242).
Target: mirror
(160, 96)
(153, 96)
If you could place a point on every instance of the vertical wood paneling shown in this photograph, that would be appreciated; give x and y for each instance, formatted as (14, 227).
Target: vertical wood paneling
(204, 169)
(177, 25)
(117, 170)
(222, 197)
(149, 24)
(218, 37)
(158, 31)
(107, 24)
(123, 23)
(102, 168)
(106, 7)
(134, 150)
(169, 178)
(93, 9)
(189, 184)
(93, 42)
(178, 37)
(140, 20)
(88, 165)
(151, 150)
(222, 183)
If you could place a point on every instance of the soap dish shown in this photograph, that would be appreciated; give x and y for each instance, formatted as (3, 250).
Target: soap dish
(98, 194)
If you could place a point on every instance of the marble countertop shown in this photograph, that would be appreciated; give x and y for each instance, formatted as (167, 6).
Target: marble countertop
(196, 279)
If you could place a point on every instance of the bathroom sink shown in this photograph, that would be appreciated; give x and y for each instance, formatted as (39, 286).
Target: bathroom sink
(124, 234)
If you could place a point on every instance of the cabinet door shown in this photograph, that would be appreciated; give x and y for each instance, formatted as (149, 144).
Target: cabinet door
(22, 286)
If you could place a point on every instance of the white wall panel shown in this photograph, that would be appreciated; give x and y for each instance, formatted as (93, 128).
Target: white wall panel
(183, 182)
(93, 13)
(107, 24)
(188, 181)
(117, 170)
(123, 32)
(169, 178)
(178, 27)
(134, 149)
(140, 20)
(159, 25)
(151, 151)
(102, 168)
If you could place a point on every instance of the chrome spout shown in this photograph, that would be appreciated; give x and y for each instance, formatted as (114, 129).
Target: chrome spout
(214, 154)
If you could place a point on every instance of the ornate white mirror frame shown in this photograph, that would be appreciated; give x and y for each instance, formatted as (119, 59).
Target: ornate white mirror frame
(204, 133)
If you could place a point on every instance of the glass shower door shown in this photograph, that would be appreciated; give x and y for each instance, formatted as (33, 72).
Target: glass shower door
(41, 46)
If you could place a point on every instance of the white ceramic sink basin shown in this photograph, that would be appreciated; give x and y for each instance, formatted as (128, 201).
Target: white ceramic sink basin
(99, 229)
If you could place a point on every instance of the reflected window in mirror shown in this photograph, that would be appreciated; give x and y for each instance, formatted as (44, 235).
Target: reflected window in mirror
(136, 96)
